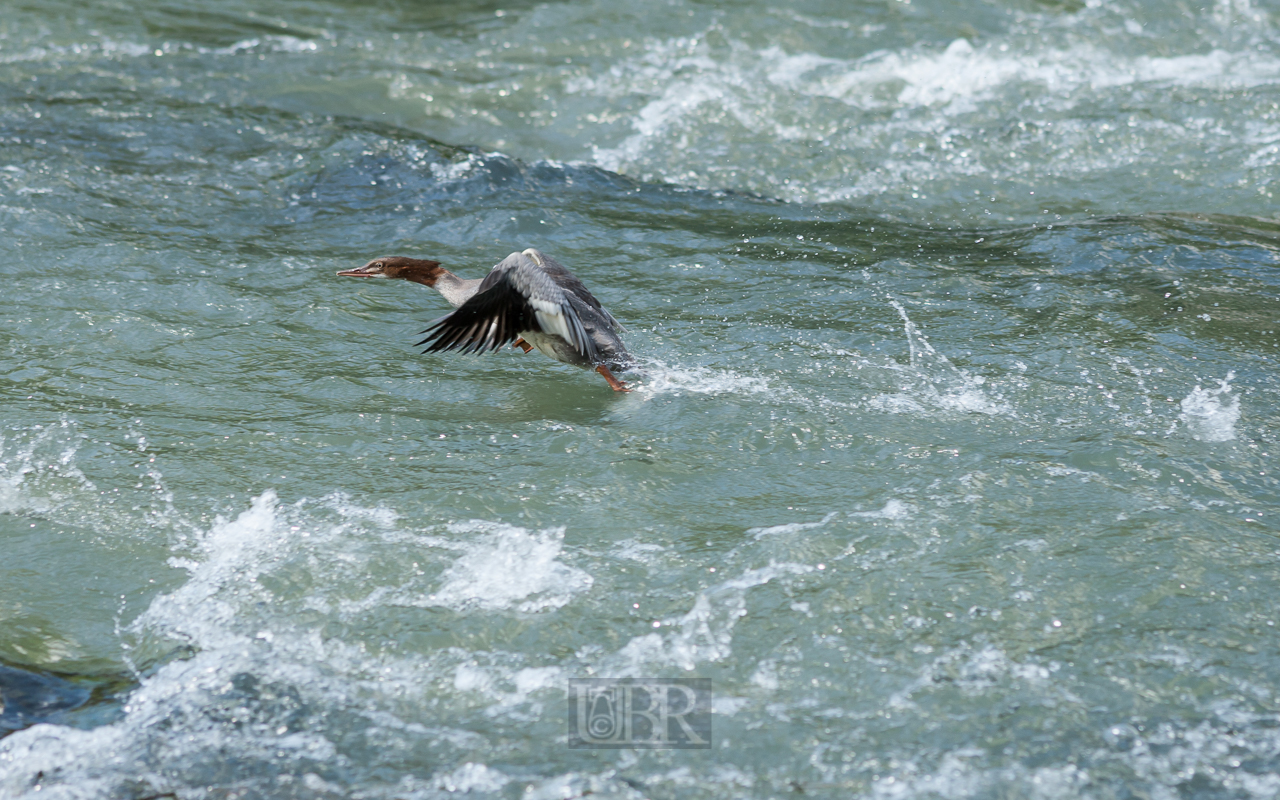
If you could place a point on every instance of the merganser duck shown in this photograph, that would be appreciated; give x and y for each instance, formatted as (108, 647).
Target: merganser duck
(528, 298)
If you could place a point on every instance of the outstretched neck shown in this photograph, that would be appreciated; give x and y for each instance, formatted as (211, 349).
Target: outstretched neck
(456, 290)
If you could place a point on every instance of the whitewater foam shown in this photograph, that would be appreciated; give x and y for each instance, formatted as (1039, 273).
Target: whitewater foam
(941, 97)
(704, 633)
(791, 527)
(893, 509)
(510, 567)
(660, 378)
(249, 678)
(471, 777)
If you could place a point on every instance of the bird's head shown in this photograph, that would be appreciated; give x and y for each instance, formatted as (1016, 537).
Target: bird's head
(409, 269)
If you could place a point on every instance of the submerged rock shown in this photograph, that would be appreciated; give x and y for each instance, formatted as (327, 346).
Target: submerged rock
(28, 698)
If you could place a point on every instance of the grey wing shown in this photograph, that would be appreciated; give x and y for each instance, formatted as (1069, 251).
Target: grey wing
(517, 295)
(570, 283)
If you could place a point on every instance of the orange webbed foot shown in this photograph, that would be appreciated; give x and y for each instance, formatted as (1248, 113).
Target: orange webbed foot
(522, 344)
(614, 383)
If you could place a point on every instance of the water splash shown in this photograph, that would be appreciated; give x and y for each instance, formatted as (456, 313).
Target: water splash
(38, 467)
(1211, 414)
(661, 378)
(933, 381)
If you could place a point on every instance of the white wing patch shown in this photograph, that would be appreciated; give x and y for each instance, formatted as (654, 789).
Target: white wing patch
(552, 308)
(553, 322)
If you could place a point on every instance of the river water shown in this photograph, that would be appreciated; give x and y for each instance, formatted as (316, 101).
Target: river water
(950, 464)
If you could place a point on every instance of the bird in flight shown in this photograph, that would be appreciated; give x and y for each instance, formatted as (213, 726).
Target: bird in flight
(528, 298)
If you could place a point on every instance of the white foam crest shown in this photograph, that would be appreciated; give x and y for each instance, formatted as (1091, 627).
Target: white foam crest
(225, 603)
(575, 785)
(252, 662)
(272, 43)
(958, 77)
(790, 527)
(701, 99)
(682, 80)
(962, 773)
(216, 608)
(766, 675)
(456, 170)
(342, 503)
(510, 567)
(703, 634)
(235, 553)
(491, 682)
(180, 696)
(893, 509)
(1164, 753)
(761, 576)
(954, 777)
(954, 78)
(112, 48)
(636, 550)
(471, 777)
(106, 47)
(1211, 414)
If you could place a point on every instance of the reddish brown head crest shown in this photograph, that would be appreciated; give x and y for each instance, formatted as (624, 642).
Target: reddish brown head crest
(409, 269)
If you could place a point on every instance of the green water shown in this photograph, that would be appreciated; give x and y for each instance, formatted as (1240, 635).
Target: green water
(950, 461)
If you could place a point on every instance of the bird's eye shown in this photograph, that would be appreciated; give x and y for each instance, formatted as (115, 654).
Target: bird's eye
(380, 265)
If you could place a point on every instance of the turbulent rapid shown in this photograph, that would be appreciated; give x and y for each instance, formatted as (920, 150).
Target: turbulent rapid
(949, 462)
